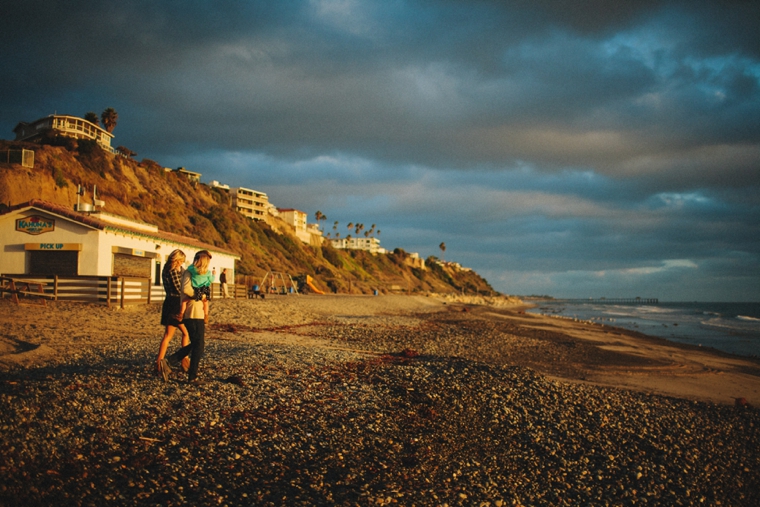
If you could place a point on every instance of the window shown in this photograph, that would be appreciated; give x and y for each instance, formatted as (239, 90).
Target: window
(54, 263)
(131, 265)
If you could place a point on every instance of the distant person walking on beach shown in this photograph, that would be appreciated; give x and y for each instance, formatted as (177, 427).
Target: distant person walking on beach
(195, 317)
(223, 282)
(171, 311)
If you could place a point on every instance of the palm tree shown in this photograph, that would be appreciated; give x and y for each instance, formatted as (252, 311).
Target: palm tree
(350, 225)
(442, 246)
(92, 118)
(335, 225)
(319, 216)
(109, 117)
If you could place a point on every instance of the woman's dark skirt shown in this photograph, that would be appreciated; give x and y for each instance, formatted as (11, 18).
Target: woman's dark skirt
(170, 311)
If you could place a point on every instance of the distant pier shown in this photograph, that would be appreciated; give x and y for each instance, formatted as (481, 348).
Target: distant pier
(612, 301)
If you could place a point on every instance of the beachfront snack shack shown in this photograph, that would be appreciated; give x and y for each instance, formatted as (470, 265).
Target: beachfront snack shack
(40, 238)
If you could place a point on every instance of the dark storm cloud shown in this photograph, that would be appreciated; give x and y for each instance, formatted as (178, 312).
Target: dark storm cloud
(582, 144)
(437, 83)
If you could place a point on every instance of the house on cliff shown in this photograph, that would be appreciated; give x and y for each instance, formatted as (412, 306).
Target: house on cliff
(192, 176)
(307, 233)
(68, 126)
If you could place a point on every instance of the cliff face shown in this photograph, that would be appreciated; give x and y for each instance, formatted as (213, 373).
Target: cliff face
(144, 191)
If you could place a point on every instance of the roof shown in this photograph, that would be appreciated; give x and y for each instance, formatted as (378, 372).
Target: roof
(102, 225)
(185, 171)
(249, 190)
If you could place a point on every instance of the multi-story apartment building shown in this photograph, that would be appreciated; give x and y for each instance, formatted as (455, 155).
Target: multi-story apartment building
(297, 219)
(69, 126)
(294, 217)
(250, 203)
(371, 245)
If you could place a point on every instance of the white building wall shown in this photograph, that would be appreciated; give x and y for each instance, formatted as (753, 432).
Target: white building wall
(12, 242)
(250, 203)
(97, 246)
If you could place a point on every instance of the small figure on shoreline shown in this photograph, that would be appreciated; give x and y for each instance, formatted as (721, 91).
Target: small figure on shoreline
(223, 282)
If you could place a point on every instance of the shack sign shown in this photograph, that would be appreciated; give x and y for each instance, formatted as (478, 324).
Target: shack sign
(35, 224)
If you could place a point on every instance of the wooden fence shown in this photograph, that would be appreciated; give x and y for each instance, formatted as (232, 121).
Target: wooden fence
(113, 290)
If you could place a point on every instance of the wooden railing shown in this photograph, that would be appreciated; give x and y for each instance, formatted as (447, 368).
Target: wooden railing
(98, 289)
(234, 291)
(114, 290)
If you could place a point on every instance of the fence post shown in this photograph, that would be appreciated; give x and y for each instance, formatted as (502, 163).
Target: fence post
(150, 289)
(122, 293)
(108, 292)
(55, 288)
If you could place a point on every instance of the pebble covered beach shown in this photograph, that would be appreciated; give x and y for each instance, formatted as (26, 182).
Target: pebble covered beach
(330, 402)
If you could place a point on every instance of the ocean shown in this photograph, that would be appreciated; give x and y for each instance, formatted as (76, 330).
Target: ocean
(730, 327)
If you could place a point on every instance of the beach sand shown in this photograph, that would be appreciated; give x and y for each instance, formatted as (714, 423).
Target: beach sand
(364, 400)
(559, 348)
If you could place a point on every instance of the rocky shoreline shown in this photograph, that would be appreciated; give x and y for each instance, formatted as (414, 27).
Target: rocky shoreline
(433, 406)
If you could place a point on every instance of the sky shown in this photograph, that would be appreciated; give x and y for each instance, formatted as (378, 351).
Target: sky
(575, 149)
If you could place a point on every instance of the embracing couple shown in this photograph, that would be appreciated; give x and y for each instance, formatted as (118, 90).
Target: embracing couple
(185, 308)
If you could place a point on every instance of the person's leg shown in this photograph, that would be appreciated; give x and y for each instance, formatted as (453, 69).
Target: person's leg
(186, 350)
(176, 358)
(168, 334)
(198, 338)
(185, 343)
(185, 335)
